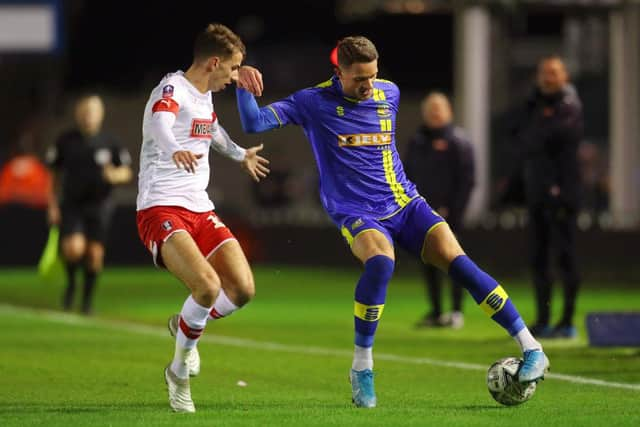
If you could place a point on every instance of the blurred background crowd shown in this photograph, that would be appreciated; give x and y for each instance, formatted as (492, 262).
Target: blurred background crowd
(482, 54)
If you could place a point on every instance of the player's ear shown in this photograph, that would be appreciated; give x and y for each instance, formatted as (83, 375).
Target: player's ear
(213, 63)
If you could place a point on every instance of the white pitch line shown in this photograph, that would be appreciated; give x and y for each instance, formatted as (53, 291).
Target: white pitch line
(76, 320)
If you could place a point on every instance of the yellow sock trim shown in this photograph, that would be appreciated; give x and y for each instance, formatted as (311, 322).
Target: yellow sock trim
(368, 313)
(494, 302)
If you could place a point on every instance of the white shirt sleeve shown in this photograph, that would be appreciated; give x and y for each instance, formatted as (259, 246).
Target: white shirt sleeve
(160, 129)
(223, 144)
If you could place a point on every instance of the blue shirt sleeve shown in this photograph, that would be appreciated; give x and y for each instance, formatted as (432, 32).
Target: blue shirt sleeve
(255, 119)
(277, 114)
(291, 110)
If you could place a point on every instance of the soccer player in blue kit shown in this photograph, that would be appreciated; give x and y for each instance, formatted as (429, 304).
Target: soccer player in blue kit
(350, 122)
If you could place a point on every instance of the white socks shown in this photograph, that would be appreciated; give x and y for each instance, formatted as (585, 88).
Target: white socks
(193, 318)
(362, 358)
(222, 307)
(526, 340)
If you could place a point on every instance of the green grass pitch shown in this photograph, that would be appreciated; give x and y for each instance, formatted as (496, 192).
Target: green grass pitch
(292, 347)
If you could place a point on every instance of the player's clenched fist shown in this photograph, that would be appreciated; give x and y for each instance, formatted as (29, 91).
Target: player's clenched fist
(186, 160)
(250, 78)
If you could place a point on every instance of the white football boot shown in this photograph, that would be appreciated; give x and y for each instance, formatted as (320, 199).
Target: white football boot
(179, 392)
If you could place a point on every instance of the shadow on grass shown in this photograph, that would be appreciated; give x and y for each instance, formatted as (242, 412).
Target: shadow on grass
(474, 408)
(34, 408)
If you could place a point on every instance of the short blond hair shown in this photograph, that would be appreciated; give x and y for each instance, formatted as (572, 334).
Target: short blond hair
(356, 49)
(217, 40)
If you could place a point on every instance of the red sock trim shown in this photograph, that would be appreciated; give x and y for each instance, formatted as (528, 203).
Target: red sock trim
(214, 313)
(190, 333)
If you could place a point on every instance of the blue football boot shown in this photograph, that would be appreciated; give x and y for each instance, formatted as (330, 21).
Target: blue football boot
(362, 391)
(533, 367)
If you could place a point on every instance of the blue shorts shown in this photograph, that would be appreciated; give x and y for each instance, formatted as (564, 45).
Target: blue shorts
(408, 227)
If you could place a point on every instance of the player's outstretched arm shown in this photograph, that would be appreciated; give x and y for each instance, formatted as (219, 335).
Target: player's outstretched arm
(250, 78)
(254, 119)
(255, 165)
(222, 143)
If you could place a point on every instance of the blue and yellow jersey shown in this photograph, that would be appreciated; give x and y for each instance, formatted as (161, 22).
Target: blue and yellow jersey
(354, 145)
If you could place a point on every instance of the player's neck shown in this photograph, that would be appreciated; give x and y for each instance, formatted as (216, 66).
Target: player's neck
(198, 78)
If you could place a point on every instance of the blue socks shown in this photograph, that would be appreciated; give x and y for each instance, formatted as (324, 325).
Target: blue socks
(371, 292)
(370, 295)
(487, 293)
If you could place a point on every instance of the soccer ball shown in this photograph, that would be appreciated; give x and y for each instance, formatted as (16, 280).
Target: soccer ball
(502, 382)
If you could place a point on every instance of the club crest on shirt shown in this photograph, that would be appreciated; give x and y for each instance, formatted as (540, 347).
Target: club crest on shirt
(167, 225)
(383, 109)
(357, 223)
(167, 91)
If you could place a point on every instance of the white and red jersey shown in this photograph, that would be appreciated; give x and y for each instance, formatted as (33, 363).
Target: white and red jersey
(160, 182)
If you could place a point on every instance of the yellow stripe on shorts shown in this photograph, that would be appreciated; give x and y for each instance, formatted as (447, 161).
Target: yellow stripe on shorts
(494, 302)
(368, 313)
(347, 235)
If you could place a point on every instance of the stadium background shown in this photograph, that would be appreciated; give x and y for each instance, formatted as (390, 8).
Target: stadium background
(292, 345)
(121, 50)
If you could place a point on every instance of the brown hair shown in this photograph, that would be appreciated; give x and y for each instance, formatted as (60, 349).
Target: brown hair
(551, 57)
(217, 40)
(354, 49)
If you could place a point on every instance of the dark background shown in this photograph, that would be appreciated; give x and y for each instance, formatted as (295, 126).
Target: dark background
(121, 50)
(131, 39)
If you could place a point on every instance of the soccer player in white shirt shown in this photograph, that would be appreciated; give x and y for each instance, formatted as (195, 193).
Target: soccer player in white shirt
(175, 216)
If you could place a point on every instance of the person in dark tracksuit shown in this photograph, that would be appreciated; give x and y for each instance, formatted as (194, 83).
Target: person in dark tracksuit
(440, 161)
(548, 137)
(85, 163)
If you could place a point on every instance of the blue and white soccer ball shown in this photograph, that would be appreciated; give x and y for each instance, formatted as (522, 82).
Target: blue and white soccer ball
(502, 382)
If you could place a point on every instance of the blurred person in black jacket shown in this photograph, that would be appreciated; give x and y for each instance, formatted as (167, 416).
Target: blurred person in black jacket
(86, 163)
(440, 161)
(547, 137)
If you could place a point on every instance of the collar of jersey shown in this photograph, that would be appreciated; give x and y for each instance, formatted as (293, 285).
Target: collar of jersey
(192, 88)
(338, 88)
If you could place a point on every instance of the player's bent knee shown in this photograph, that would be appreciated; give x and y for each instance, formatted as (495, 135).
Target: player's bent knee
(381, 266)
(73, 250)
(245, 291)
(95, 258)
(249, 291)
(206, 287)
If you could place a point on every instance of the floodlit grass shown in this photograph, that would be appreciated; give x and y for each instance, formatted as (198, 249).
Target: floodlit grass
(292, 347)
